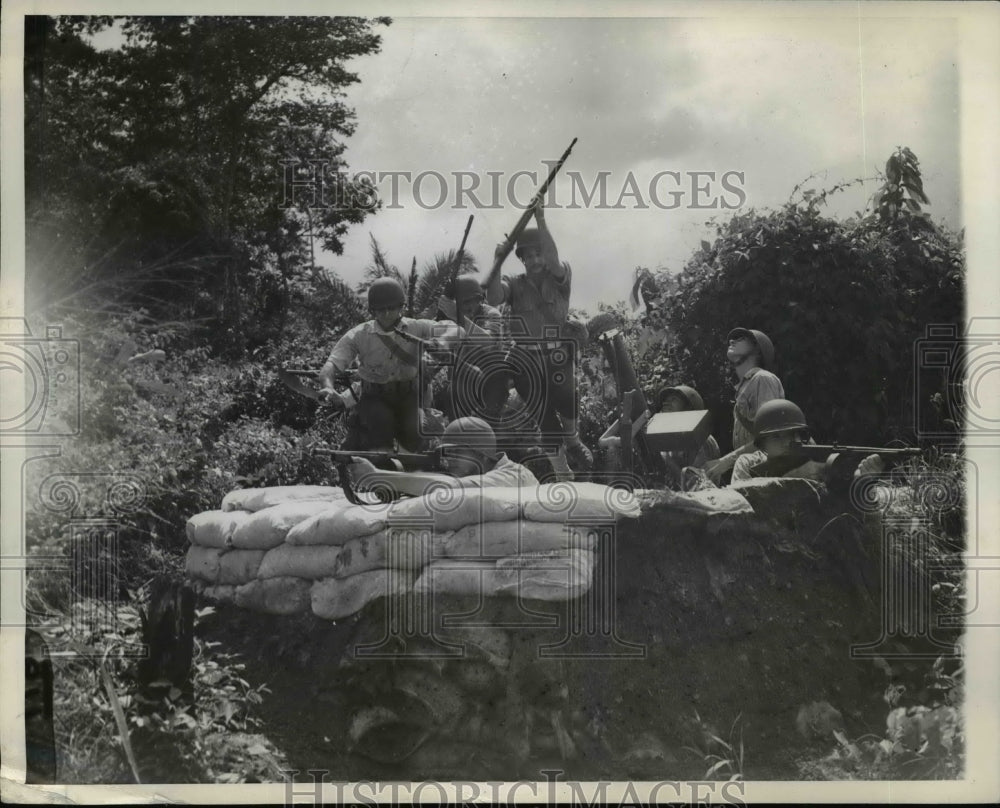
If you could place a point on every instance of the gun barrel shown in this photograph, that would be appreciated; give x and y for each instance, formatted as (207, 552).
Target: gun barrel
(907, 451)
(525, 217)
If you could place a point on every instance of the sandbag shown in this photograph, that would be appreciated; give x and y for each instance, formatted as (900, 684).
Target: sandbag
(587, 503)
(214, 528)
(268, 527)
(397, 548)
(502, 539)
(224, 593)
(307, 561)
(285, 595)
(256, 499)
(338, 526)
(580, 502)
(448, 577)
(202, 563)
(546, 575)
(239, 566)
(445, 509)
(336, 598)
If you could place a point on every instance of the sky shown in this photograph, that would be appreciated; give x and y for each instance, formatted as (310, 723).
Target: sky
(773, 100)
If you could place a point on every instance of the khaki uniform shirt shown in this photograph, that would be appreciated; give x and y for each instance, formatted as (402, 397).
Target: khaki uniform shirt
(535, 306)
(381, 363)
(758, 386)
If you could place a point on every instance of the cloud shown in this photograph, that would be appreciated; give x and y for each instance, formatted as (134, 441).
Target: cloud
(775, 99)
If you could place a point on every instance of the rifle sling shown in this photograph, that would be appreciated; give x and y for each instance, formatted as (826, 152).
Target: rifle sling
(397, 350)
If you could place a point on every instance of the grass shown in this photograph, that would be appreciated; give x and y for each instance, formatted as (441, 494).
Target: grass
(108, 732)
(724, 759)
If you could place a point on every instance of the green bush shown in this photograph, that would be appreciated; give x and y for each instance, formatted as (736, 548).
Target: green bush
(844, 302)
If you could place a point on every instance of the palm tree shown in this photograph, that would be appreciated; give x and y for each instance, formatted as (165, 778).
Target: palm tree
(431, 280)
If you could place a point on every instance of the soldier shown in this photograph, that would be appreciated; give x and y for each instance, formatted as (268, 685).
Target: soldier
(682, 398)
(751, 355)
(480, 383)
(780, 428)
(389, 408)
(472, 462)
(543, 370)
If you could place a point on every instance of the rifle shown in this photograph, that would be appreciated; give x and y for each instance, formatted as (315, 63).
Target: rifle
(522, 223)
(630, 396)
(290, 377)
(389, 461)
(427, 345)
(411, 294)
(840, 461)
(457, 268)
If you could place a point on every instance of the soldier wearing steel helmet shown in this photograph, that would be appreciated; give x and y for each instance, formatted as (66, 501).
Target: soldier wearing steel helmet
(779, 428)
(471, 458)
(682, 398)
(751, 355)
(538, 300)
(480, 383)
(389, 407)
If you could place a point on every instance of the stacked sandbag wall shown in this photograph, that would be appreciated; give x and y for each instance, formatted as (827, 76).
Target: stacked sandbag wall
(292, 549)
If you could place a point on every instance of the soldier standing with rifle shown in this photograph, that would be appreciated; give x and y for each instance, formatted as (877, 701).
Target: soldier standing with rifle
(539, 306)
(389, 408)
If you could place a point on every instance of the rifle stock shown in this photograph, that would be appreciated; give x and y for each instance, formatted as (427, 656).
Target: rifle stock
(508, 243)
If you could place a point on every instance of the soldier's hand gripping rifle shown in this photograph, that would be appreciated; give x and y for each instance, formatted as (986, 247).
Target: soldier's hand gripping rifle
(508, 244)
(840, 461)
(292, 379)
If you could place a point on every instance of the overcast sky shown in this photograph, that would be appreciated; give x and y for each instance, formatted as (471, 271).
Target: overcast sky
(775, 99)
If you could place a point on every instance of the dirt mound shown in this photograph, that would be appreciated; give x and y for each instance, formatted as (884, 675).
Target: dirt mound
(698, 624)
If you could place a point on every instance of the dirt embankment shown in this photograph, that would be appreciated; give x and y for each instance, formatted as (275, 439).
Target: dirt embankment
(698, 624)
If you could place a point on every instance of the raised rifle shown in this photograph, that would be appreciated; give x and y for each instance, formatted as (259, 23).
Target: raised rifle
(840, 461)
(412, 292)
(635, 412)
(511, 240)
(457, 266)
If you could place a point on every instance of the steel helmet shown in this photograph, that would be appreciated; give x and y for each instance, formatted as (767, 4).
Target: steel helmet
(466, 288)
(529, 237)
(762, 341)
(778, 415)
(470, 431)
(689, 394)
(386, 293)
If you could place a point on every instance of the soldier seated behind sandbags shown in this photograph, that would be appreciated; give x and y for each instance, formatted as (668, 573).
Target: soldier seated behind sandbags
(471, 459)
(682, 398)
(779, 428)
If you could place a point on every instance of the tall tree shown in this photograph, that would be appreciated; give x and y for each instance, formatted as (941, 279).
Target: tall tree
(144, 159)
